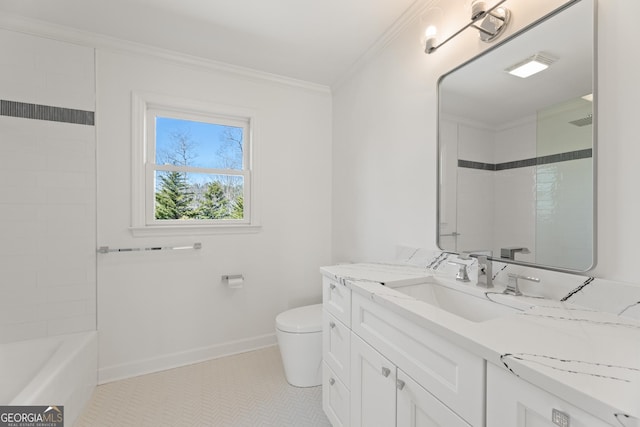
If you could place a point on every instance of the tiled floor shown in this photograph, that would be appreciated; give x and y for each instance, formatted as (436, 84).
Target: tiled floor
(245, 390)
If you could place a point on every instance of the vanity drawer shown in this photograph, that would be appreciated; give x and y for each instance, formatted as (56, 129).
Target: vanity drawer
(335, 398)
(336, 345)
(336, 298)
(455, 376)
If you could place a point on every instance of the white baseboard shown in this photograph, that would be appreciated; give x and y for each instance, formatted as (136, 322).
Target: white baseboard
(175, 360)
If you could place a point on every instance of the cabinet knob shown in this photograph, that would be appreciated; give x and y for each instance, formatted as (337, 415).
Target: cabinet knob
(560, 418)
(385, 372)
(332, 381)
(400, 384)
(332, 324)
(332, 286)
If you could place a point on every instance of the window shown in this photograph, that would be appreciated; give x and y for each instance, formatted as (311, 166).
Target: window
(192, 166)
(195, 168)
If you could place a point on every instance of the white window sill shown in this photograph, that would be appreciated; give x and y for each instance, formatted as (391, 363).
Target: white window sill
(188, 230)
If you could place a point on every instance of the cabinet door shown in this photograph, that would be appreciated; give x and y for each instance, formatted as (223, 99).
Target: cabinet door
(416, 407)
(373, 387)
(513, 402)
(336, 344)
(335, 398)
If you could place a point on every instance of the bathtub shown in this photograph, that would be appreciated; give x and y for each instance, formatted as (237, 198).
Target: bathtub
(59, 370)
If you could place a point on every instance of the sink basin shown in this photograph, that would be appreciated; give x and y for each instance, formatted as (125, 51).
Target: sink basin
(467, 302)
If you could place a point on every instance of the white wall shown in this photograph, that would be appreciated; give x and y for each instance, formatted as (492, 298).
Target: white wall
(384, 187)
(158, 310)
(47, 196)
(385, 139)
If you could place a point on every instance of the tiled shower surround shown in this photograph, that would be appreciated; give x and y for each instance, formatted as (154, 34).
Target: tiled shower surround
(516, 189)
(47, 199)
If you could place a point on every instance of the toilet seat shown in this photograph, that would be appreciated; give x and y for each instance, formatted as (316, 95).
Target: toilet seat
(301, 320)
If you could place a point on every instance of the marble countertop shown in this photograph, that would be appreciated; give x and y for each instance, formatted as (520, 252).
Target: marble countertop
(586, 356)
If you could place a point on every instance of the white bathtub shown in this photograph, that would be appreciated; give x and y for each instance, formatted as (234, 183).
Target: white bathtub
(60, 370)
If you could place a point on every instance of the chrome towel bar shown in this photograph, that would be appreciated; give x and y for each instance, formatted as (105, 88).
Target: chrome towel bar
(107, 249)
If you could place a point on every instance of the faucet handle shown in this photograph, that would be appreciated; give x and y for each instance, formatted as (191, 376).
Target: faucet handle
(512, 287)
(515, 277)
(462, 275)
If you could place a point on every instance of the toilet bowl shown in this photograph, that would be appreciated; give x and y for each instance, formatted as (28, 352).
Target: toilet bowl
(299, 334)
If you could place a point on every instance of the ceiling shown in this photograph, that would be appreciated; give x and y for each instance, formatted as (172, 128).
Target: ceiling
(312, 41)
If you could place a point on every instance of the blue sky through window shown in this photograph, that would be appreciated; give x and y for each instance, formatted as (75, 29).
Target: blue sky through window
(209, 145)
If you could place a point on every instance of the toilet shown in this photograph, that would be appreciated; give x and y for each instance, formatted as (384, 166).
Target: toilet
(299, 334)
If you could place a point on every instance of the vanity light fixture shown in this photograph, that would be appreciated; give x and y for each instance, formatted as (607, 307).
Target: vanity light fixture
(489, 21)
(588, 97)
(530, 66)
(430, 37)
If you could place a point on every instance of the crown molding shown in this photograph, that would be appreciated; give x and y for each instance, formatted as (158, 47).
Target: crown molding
(14, 22)
(416, 9)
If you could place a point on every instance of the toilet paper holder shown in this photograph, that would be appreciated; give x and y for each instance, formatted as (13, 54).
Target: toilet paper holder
(233, 280)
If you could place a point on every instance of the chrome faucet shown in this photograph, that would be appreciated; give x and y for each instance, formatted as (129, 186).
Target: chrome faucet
(512, 287)
(485, 271)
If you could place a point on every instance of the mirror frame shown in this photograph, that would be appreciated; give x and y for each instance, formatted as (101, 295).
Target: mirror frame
(594, 137)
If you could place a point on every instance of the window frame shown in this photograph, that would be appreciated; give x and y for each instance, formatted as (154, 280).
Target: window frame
(147, 106)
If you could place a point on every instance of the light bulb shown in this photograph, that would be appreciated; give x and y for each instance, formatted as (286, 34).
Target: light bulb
(431, 31)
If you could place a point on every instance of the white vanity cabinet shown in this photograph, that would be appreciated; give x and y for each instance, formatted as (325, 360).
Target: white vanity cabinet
(390, 361)
(380, 369)
(513, 402)
(336, 351)
(451, 374)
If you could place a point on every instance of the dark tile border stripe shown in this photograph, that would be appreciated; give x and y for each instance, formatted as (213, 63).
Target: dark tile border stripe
(544, 160)
(476, 165)
(46, 112)
(517, 164)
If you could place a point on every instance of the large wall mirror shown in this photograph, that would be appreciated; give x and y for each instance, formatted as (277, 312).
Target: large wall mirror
(516, 167)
